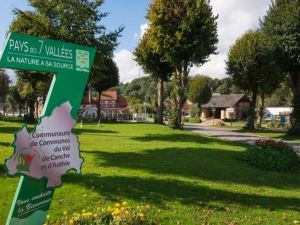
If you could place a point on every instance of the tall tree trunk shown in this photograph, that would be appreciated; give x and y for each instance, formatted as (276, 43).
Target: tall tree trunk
(99, 105)
(36, 108)
(31, 107)
(3, 106)
(295, 117)
(251, 117)
(20, 110)
(160, 102)
(181, 79)
(261, 110)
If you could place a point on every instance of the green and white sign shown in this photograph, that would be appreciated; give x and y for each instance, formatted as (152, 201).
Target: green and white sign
(47, 153)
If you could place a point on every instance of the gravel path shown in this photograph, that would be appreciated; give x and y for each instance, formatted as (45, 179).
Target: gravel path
(231, 135)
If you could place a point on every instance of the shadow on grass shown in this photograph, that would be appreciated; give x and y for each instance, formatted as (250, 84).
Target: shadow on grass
(94, 131)
(203, 163)
(2, 170)
(5, 144)
(12, 130)
(178, 137)
(158, 191)
(8, 130)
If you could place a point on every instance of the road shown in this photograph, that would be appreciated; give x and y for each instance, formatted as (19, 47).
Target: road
(231, 135)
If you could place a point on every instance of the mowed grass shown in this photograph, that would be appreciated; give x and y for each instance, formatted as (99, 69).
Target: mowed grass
(185, 178)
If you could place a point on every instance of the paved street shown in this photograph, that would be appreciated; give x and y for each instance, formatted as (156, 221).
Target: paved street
(230, 135)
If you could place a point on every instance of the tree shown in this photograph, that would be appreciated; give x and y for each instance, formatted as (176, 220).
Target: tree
(157, 66)
(282, 96)
(73, 21)
(104, 78)
(185, 32)
(4, 88)
(200, 90)
(252, 67)
(226, 86)
(15, 99)
(282, 25)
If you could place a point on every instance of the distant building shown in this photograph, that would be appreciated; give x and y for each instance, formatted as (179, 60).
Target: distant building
(232, 106)
(110, 103)
(186, 107)
(271, 113)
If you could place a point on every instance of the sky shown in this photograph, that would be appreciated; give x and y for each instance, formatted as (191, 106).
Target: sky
(235, 17)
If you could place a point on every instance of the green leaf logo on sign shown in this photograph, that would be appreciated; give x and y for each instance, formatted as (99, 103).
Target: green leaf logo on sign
(45, 154)
(82, 60)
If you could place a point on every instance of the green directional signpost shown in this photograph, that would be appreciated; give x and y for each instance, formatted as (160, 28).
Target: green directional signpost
(42, 156)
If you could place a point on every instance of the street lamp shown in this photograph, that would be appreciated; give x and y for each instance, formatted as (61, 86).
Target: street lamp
(213, 110)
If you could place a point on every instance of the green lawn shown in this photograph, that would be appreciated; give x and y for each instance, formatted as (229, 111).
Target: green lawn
(185, 178)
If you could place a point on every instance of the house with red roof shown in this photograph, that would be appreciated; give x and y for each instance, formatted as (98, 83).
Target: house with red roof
(110, 103)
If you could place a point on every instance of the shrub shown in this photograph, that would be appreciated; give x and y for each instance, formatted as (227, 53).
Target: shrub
(119, 214)
(195, 120)
(185, 119)
(272, 155)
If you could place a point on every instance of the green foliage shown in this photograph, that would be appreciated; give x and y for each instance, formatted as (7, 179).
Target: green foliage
(103, 78)
(14, 99)
(226, 86)
(185, 32)
(251, 64)
(135, 104)
(252, 67)
(280, 97)
(73, 21)
(281, 24)
(106, 76)
(143, 88)
(4, 83)
(4, 87)
(200, 90)
(295, 129)
(157, 66)
(272, 155)
(152, 62)
(195, 119)
(194, 111)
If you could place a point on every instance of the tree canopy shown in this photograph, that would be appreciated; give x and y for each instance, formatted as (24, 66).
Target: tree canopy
(73, 21)
(200, 90)
(155, 64)
(282, 26)
(185, 32)
(4, 88)
(103, 78)
(252, 67)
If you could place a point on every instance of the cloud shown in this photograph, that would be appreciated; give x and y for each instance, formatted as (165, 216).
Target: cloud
(213, 68)
(143, 29)
(12, 75)
(128, 68)
(235, 17)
